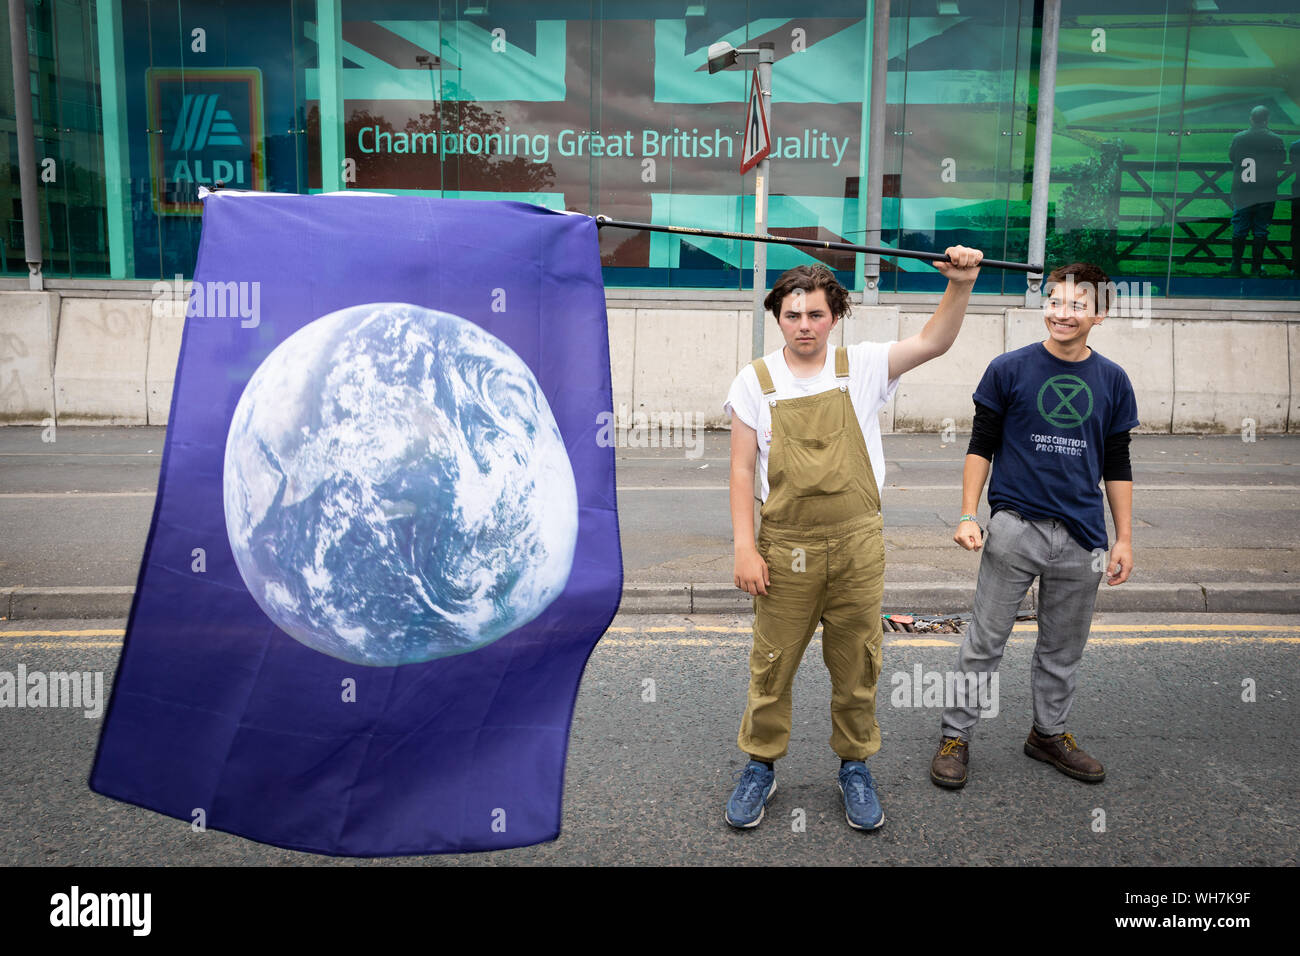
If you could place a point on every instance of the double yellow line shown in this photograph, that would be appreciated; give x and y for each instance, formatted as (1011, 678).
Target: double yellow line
(1148, 634)
(684, 636)
(7, 643)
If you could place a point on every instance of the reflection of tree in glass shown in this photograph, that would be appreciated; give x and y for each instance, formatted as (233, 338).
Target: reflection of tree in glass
(377, 170)
(1083, 219)
(483, 171)
(489, 172)
(1087, 212)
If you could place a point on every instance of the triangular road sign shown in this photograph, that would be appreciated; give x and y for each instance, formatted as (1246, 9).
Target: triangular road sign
(758, 138)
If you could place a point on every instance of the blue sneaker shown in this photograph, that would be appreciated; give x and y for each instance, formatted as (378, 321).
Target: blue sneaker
(756, 787)
(861, 805)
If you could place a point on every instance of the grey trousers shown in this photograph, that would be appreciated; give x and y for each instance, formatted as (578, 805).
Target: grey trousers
(1015, 551)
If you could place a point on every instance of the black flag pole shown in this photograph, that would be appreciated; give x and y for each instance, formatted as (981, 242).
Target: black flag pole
(883, 251)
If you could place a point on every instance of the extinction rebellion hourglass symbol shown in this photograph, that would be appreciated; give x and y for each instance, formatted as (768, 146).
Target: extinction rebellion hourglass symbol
(1065, 401)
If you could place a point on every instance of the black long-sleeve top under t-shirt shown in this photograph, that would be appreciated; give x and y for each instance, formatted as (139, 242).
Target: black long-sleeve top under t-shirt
(986, 438)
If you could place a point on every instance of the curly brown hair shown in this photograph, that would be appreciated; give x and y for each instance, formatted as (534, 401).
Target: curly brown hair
(808, 279)
(1087, 275)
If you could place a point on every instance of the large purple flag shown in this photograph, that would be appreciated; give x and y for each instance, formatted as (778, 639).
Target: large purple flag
(385, 539)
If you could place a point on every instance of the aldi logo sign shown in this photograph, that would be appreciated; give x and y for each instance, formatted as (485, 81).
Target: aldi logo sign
(203, 122)
(205, 126)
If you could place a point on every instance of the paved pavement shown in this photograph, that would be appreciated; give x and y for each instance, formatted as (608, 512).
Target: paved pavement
(1196, 774)
(1216, 524)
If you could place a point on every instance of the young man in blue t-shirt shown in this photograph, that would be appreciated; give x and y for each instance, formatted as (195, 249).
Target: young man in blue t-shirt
(1052, 420)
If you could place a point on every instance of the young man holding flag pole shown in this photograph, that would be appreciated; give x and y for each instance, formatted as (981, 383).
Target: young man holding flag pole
(806, 417)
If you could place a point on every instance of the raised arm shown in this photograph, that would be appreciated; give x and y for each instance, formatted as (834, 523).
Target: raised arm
(941, 331)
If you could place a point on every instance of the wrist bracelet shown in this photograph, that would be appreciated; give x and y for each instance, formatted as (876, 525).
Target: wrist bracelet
(968, 518)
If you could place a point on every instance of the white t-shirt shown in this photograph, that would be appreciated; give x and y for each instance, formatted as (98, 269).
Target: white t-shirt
(870, 387)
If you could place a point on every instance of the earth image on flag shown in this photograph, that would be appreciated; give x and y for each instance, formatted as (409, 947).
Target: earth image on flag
(396, 488)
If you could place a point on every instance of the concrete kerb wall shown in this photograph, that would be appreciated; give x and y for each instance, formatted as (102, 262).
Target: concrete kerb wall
(1176, 365)
(101, 363)
(165, 328)
(1226, 373)
(938, 394)
(29, 332)
(1293, 355)
(109, 357)
(87, 359)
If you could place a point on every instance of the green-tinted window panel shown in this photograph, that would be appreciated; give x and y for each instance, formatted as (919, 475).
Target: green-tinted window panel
(604, 107)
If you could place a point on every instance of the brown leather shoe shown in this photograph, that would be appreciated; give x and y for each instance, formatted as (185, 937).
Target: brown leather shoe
(1064, 754)
(948, 768)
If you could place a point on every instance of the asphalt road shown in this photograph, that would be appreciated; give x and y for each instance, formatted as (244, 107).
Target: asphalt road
(76, 511)
(1196, 775)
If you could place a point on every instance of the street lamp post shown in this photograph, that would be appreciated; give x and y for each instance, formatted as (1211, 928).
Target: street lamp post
(721, 56)
(26, 143)
(762, 189)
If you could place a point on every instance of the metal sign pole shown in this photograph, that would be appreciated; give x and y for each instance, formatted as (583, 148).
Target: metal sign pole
(1042, 149)
(762, 188)
(874, 180)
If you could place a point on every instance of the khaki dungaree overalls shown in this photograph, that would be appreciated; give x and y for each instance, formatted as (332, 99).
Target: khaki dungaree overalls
(821, 538)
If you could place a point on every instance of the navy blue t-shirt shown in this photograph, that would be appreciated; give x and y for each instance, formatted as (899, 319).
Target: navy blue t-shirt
(1056, 418)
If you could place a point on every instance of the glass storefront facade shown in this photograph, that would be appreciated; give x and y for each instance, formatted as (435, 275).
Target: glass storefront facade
(608, 108)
